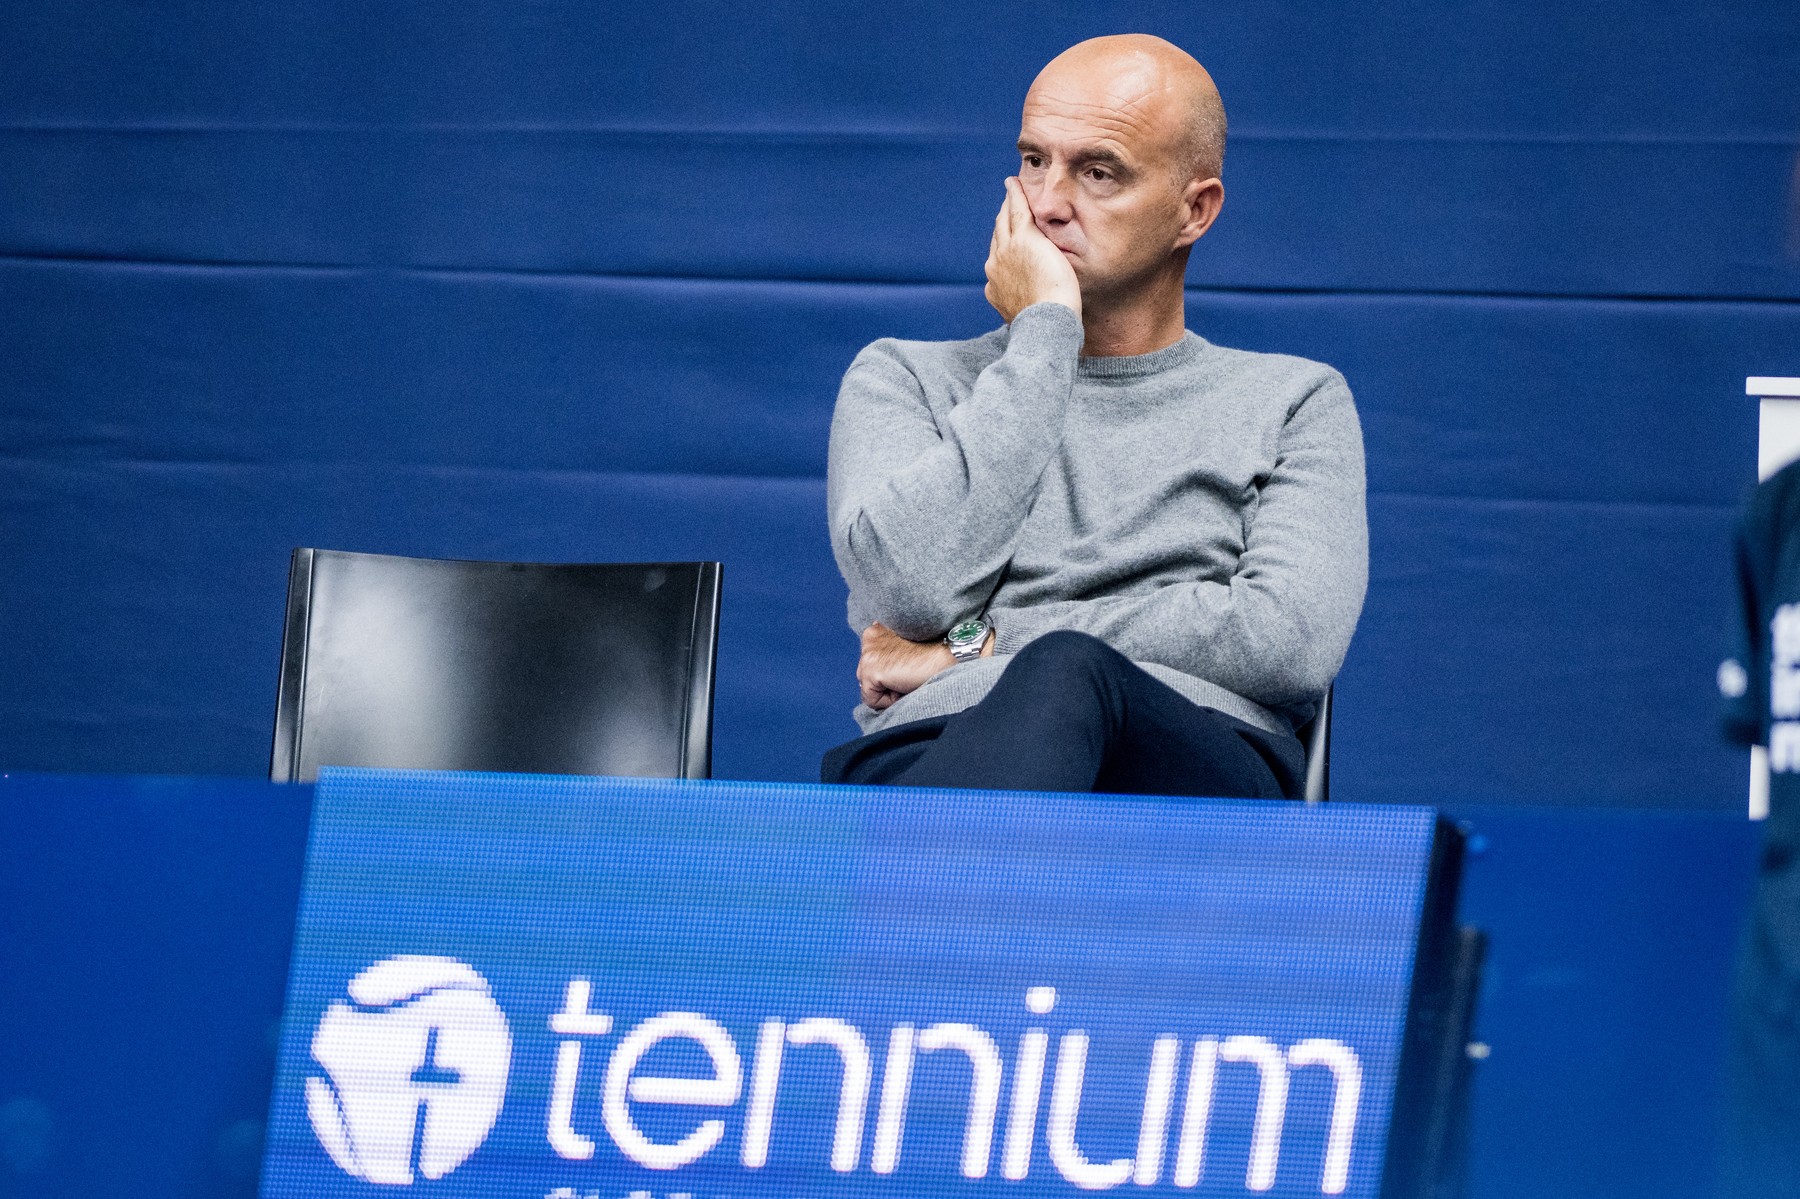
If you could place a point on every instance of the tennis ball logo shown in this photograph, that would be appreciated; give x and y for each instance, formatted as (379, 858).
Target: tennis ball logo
(415, 1063)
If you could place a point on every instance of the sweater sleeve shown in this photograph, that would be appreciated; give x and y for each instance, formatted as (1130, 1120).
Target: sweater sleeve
(925, 511)
(1277, 630)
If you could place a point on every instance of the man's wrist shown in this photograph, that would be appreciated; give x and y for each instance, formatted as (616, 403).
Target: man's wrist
(968, 639)
(1073, 306)
(1049, 328)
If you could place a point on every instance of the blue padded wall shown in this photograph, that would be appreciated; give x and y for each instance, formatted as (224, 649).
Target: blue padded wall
(575, 281)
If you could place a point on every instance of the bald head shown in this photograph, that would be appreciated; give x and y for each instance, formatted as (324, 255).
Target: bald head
(1144, 79)
(1120, 145)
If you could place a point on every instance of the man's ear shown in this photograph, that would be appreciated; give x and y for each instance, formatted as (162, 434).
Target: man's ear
(1201, 200)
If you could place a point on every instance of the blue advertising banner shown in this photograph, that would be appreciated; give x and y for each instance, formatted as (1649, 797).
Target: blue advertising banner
(594, 988)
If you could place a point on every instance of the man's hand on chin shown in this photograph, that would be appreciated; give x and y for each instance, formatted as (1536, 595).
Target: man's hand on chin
(892, 666)
(1023, 266)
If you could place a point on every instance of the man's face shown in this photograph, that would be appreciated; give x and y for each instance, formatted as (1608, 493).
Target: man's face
(1097, 159)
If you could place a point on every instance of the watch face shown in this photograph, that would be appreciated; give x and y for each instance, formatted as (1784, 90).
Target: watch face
(968, 630)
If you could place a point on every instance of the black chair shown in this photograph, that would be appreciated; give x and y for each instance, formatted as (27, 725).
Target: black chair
(416, 663)
(1315, 735)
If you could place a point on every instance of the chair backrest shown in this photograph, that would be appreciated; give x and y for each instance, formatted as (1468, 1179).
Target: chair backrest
(417, 663)
(1315, 735)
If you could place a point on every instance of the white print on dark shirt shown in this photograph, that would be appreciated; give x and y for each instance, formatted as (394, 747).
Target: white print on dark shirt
(1784, 690)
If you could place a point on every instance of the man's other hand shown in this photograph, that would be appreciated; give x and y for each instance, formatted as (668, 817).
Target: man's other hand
(1023, 266)
(892, 666)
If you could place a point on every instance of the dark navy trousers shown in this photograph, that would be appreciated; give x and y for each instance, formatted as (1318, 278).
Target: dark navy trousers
(1072, 714)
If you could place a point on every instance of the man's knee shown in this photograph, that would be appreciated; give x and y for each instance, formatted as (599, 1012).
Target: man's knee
(1066, 657)
(1060, 683)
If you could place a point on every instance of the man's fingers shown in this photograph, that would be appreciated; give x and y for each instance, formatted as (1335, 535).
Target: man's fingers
(1013, 203)
(876, 696)
(1003, 227)
(866, 681)
(1022, 219)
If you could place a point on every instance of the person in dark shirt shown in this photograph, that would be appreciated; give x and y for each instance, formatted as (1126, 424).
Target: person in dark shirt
(1761, 686)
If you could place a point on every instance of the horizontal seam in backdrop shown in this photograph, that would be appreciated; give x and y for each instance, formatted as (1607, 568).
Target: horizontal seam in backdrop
(809, 481)
(1724, 508)
(847, 281)
(1000, 140)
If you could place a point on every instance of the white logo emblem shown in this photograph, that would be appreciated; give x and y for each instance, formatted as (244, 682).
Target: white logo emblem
(415, 1062)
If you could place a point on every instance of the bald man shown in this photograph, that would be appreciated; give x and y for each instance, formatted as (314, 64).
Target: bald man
(1091, 550)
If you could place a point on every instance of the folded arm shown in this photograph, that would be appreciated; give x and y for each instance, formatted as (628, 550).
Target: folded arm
(1277, 630)
(925, 512)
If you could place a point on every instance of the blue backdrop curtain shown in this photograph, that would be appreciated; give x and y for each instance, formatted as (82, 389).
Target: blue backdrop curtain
(576, 281)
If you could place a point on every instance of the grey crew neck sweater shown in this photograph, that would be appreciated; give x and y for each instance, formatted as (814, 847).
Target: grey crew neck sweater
(1197, 508)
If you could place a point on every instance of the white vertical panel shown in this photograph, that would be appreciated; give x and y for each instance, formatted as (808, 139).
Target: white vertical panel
(1777, 444)
(1777, 434)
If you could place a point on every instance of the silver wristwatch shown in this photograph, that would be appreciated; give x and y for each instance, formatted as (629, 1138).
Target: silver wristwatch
(967, 639)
